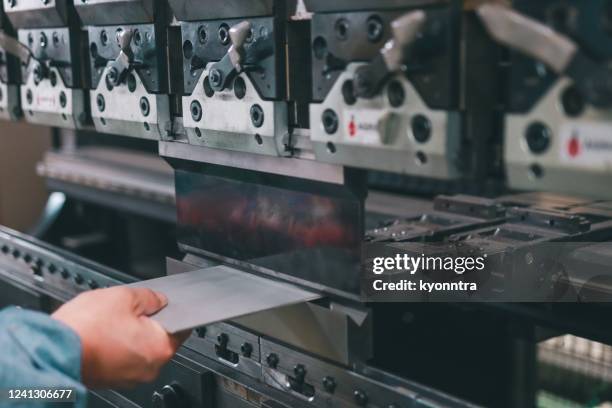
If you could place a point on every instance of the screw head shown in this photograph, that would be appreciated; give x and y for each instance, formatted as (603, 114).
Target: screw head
(342, 29)
(330, 121)
(421, 128)
(100, 102)
(538, 137)
(43, 40)
(202, 34)
(222, 340)
(112, 76)
(257, 116)
(361, 398)
(300, 372)
(223, 34)
(216, 78)
(329, 384)
(396, 94)
(103, 37)
(246, 349)
(35, 270)
(375, 29)
(196, 111)
(137, 38)
(63, 100)
(145, 108)
(272, 360)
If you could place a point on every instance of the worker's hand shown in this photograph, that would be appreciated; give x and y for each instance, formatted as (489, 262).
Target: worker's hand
(121, 345)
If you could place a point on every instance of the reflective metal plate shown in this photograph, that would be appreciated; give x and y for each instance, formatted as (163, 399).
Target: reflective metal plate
(220, 293)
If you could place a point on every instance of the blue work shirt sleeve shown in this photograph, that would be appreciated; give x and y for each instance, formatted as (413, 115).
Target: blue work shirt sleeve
(37, 351)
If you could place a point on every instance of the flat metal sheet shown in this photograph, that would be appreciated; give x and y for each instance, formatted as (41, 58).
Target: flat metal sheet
(219, 293)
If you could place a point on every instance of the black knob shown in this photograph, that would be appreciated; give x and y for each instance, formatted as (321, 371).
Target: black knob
(300, 372)
(361, 398)
(272, 360)
(222, 340)
(201, 332)
(170, 396)
(35, 264)
(329, 384)
(246, 349)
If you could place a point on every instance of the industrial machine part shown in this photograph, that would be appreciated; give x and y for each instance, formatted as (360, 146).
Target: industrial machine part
(9, 84)
(9, 75)
(303, 221)
(272, 118)
(222, 362)
(559, 94)
(237, 62)
(586, 363)
(385, 86)
(450, 215)
(128, 67)
(118, 178)
(530, 252)
(49, 51)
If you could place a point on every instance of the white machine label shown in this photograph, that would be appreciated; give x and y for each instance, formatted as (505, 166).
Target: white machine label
(586, 144)
(362, 126)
